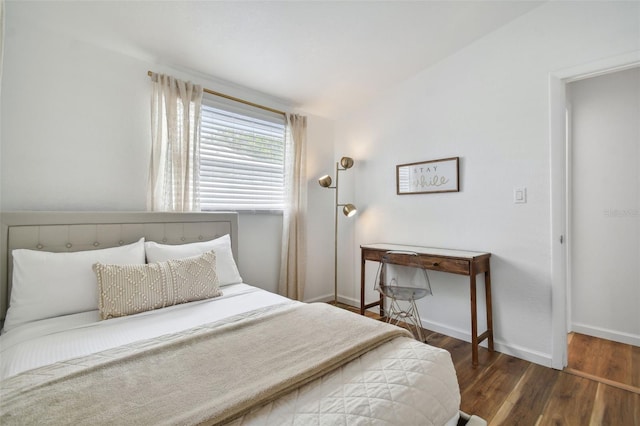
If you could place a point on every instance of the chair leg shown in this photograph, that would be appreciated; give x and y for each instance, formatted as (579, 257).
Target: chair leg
(395, 314)
(415, 316)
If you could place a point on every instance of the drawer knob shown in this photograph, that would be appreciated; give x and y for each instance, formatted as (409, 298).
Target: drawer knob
(436, 263)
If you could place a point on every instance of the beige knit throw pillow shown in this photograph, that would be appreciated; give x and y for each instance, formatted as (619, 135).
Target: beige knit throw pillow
(131, 289)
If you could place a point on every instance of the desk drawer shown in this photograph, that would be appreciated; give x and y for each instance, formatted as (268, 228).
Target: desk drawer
(455, 266)
(435, 263)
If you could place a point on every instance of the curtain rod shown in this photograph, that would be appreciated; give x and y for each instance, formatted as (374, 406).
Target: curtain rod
(242, 101)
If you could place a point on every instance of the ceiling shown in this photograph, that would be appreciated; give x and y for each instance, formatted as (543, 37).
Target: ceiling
(323, 57)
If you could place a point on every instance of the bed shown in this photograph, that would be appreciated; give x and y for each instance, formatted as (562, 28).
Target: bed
(139, 346)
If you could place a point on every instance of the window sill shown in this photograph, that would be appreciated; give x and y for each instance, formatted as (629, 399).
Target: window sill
(250, 212)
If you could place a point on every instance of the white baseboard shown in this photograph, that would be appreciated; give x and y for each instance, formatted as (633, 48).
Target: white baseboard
(349, 301)
(526, 354)
(499, 346)
(326, 298)
(446, 330)
(603, 333)
(329, 298)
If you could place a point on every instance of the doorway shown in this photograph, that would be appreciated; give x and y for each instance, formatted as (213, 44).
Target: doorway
(603, 244)
(560, 194)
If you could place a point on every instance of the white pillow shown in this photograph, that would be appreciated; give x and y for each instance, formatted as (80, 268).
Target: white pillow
(47, 285)
(225, 265)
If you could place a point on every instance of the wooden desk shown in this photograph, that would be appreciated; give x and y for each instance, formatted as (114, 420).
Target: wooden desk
(459, 262)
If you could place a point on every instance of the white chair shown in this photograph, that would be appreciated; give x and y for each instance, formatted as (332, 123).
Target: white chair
(402, 286)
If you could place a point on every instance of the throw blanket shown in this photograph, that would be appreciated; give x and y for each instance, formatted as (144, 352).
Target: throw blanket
(210, 375)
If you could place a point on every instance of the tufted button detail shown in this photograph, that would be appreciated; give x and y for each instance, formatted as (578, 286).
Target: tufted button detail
(164, 240)
(39, 246)
(182, 239)
(69, 245)
(96, 244)
(200, 237)
(121, 242)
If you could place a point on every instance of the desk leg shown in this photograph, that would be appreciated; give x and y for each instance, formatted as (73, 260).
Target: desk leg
(362, 260)
(362, 290)
(474, 319)
(487, 286)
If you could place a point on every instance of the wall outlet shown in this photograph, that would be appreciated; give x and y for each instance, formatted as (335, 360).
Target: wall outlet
(520, 195)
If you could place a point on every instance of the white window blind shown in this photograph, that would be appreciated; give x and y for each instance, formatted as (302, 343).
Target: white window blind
(241, 157)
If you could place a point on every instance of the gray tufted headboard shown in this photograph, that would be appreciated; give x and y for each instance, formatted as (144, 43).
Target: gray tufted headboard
(75, 231)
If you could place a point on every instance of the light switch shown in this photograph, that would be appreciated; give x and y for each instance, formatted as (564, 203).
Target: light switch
(519, 195)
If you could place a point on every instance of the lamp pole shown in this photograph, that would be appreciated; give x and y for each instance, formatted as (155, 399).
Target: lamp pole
(348, 210)
(335, 240)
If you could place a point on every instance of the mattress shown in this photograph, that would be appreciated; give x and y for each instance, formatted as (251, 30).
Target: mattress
(399, 382)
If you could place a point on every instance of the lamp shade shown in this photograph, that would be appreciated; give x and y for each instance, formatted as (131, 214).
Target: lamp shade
(346, 162)
(325, 181)
(349, 210)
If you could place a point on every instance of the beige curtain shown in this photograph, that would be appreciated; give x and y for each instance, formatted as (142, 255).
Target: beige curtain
(293, 257)
(175, 145)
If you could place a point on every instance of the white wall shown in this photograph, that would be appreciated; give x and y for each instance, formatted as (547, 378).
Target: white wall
(320, 158)
(72, 136)
(605, 237)
(76, 136)
(489, 105)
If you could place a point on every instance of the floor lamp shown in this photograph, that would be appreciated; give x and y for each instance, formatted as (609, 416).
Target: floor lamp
(347, 209)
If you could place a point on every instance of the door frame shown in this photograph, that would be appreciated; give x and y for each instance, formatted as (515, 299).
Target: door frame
(560, 160)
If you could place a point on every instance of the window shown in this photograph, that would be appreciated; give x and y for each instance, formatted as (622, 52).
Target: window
(242, 151)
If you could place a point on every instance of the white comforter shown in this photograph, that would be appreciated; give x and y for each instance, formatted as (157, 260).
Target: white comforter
(400, 382)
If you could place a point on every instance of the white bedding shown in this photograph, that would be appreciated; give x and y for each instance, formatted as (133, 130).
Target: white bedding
(398, 383)
(373, 389)
(47, 341)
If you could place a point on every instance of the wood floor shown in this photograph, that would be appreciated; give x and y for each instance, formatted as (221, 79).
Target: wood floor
(609, 362)
(505, 390)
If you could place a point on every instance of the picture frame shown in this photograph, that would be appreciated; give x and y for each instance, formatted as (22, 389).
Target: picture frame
(427, 177)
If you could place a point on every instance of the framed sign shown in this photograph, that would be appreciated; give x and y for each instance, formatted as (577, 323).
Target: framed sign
(428, 176)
